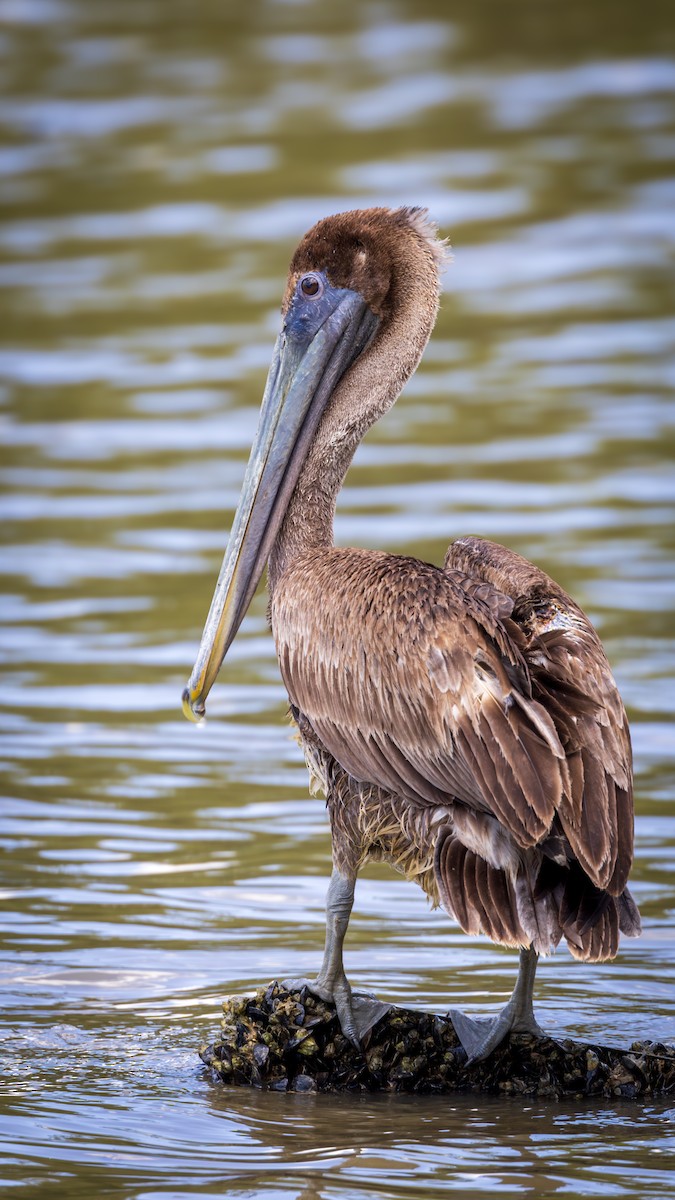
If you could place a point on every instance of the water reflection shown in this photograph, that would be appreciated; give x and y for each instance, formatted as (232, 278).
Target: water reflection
(156, 170)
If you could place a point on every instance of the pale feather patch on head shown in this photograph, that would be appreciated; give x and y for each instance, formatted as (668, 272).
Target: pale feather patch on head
(426, 228)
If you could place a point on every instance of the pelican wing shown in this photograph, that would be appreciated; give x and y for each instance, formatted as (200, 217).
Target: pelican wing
(415, 679)
(571, 677)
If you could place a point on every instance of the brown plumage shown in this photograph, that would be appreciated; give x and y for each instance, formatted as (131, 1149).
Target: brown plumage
(462, 721)
(425, 717)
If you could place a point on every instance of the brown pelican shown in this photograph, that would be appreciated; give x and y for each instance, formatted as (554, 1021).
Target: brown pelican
(462, 721)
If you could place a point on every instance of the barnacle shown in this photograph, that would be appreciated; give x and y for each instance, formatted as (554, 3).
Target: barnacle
(291, 1041)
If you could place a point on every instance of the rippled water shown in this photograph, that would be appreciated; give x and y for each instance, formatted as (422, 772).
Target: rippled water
(157, 164)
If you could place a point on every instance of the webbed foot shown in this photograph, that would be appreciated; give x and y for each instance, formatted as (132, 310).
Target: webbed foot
(357, 1012)
(481, 1035)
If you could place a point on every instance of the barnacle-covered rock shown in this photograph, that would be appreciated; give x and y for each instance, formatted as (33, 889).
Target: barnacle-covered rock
(291, 1041)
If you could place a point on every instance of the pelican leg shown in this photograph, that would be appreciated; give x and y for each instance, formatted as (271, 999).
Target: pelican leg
(481, 1035)
(357, 1011)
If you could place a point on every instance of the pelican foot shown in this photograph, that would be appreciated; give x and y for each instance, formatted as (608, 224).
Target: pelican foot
(481, 1035)
(357, 1012)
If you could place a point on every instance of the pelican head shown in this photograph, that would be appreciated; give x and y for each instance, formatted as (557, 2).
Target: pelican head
(350, 278)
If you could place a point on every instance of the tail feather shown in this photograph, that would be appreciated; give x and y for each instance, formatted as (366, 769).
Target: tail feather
(478, 896)
(536, 908)
(629, 916)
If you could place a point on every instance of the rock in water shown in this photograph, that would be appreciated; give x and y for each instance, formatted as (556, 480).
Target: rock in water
(291, 1041)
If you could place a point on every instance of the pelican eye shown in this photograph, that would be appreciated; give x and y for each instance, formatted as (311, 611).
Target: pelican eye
(311, 285)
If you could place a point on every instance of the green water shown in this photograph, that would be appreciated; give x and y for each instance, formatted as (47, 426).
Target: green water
(158, 162)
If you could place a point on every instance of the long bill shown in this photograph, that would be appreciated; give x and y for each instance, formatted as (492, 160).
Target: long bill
(306, 366)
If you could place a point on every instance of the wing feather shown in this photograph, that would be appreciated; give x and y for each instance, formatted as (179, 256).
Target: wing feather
(414, 679)
(571, 679)
(483, 683)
